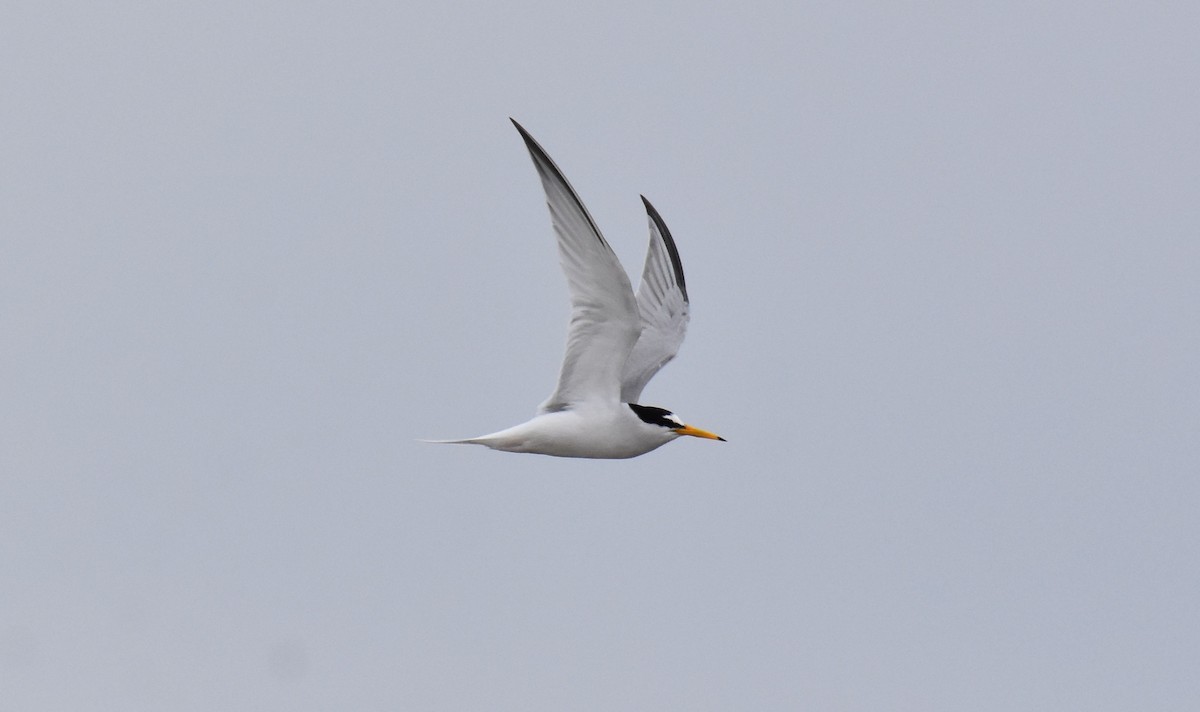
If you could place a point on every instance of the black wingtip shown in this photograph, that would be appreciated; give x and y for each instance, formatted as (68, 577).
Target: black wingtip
(529, 141)
(547, 167)
(672, 251)
(539, 154)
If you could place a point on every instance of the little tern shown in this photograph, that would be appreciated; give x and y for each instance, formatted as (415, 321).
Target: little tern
(616, 341)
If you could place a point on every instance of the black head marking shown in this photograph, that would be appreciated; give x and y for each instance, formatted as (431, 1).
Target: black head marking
(656, 416)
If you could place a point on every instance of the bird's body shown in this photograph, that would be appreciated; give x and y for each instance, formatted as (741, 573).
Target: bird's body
(616, 342)
(607, 431)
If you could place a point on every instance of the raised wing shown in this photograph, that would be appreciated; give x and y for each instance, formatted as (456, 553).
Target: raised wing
(604, 313)
(663, 310)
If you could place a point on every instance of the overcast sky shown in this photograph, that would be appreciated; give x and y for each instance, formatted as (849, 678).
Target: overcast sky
(943, 262)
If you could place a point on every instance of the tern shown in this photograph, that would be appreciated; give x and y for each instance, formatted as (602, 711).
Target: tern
(616, 342)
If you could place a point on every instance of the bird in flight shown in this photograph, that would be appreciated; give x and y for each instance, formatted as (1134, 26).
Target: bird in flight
(616, 341)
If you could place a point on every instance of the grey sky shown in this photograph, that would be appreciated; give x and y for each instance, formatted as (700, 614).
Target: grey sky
(943, 266)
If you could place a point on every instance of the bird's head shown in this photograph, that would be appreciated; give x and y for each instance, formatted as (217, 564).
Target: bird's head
(663, 418)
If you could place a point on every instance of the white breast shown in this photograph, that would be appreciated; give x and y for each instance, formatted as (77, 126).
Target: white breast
(610, 432)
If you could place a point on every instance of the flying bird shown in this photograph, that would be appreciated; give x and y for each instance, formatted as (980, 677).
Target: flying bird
(616, 342)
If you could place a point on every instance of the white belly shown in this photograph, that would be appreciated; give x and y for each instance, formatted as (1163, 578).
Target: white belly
(610, 433)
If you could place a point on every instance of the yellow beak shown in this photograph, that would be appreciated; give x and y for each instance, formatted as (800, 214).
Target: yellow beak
(698, 433)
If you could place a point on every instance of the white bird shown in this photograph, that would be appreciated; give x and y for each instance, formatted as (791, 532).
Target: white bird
(615, 344)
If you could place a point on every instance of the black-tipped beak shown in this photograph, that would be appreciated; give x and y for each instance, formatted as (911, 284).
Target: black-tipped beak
(698, 433)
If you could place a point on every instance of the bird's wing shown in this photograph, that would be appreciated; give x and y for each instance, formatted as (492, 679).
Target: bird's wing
(662, 310)
(604, 313)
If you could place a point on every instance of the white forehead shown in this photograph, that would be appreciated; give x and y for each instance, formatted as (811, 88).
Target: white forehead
(674, 419)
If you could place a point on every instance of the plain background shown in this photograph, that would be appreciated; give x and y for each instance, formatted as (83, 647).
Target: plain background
(943, 263)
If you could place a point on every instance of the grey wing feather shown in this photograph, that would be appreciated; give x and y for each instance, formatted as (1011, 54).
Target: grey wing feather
(663, 310)
(604, 312)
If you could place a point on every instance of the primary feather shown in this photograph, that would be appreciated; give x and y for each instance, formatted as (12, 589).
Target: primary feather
(663, 310)
(604, 322)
